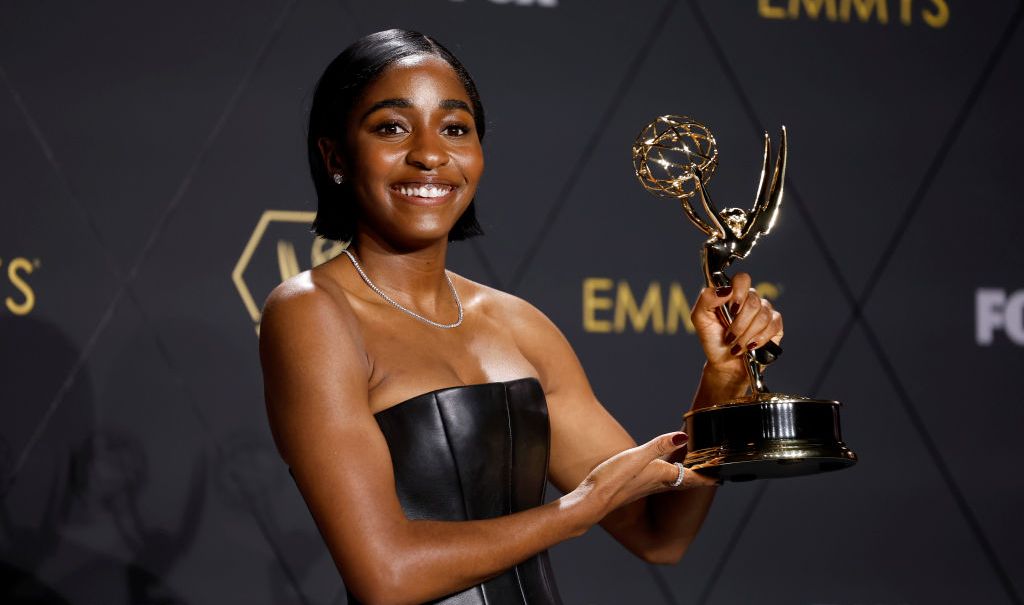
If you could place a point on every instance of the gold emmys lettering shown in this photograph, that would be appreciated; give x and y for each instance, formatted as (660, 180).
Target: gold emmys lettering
(933, 13)
(18, 270)
(540, 3)
(611, 306)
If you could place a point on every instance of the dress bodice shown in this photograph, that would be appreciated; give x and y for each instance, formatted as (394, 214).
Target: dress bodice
(475, 452)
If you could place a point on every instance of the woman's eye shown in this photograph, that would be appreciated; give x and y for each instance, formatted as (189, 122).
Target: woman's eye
(456, 130)
(390, 129)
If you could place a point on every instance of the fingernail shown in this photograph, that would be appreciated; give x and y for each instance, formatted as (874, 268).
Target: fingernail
(680, 438)
(735, 349)
(723, 291)
(729, 337)
(752, 345)
(733, 308)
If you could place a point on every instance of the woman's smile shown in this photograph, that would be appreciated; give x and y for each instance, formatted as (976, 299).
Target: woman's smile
(424, 192)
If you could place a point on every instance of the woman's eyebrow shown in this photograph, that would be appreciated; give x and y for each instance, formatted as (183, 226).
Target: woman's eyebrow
(456, 104)
(387, 103)
(447, 104)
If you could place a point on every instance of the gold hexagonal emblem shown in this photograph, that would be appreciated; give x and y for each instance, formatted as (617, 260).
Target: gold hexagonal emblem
(262, 277)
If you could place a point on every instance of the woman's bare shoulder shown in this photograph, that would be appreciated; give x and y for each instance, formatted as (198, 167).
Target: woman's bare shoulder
(312, 355)
(309, 296)
(307, 306)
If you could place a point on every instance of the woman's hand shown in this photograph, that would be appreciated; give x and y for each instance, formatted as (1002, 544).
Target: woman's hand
(633, 474)
(754, 323)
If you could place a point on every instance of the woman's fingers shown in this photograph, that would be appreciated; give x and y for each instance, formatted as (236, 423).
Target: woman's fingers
(741, 290)
(663, 445)
(634, 462)
(708, 300)
(733, 295)
(638, 472)
(773, 329)
(744, 315)
(629, 463)
(668, 473)
(741, 293)
(755, 324)
(694, 479)
(753, 319)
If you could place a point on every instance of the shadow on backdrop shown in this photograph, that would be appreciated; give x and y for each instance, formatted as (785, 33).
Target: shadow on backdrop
(36, 496)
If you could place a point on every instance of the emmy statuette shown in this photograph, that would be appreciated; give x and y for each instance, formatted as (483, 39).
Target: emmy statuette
(762, 435)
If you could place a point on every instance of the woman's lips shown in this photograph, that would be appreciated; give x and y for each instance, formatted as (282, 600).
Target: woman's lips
(424, 193)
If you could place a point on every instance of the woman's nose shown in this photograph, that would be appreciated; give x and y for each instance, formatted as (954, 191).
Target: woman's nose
(427, 151)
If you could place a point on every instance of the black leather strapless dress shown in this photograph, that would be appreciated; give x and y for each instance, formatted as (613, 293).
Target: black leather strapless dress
(476, 452)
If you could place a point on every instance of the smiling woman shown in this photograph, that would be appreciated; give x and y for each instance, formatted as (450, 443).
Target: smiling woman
(422, 414)
(343, 85)
(410, 152)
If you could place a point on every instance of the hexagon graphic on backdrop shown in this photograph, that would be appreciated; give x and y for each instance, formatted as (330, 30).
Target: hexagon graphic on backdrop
(254, 271)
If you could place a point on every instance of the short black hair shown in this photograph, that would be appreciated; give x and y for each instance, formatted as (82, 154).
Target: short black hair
(337, 92)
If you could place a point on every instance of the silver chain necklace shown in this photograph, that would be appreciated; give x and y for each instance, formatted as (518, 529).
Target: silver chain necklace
(394, 303)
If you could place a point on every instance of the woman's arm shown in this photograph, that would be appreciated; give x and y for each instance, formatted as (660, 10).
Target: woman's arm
(675, 517)
(660, 527)
(315, 379)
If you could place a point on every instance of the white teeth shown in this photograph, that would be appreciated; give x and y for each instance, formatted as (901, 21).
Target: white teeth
(427, 191)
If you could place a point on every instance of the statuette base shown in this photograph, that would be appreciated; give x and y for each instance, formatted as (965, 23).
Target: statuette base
(770, 435)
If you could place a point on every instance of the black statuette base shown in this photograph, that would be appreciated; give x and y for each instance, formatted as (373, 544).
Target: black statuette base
(768, 436)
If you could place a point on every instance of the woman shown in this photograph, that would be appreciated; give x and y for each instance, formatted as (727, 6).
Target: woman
(421, 413)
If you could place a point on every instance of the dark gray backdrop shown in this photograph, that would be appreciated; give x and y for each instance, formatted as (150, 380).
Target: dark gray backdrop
(154, 189)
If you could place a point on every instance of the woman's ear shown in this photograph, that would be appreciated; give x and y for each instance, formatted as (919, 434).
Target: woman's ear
(331, 157)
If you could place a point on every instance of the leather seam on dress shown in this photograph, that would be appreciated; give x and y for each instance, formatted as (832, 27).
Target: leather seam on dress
(458, 474)
(511, 465)
(544, 485)
(510, 447)
(455, 458)
(547, 450)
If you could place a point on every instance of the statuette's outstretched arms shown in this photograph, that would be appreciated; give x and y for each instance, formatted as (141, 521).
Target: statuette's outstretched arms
(718, 230)
(768, 201)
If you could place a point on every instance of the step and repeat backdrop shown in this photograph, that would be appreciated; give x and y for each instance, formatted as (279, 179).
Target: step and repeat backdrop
(154, 190)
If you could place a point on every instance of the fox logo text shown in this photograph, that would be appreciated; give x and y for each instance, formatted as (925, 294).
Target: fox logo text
(995, 311)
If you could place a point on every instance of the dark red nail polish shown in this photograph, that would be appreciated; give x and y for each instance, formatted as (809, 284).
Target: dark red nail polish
(733, 308)
(723, 291)
(735, 349)
(752, 346)
(680, 438)
(729, 337)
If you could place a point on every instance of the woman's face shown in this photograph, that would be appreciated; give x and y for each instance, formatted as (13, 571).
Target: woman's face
(413, 157)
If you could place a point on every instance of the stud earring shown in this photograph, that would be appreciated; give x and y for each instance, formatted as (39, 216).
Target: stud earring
(338, 178)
